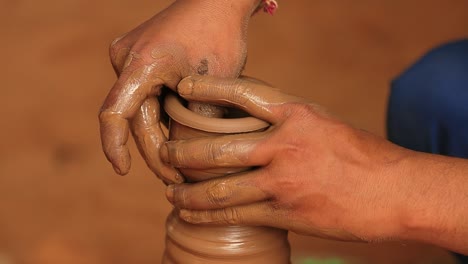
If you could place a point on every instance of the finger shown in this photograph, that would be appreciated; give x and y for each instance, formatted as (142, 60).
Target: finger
(263, 214)
(119, 51)
(121, 103)
(120, 59)
(255, 98)
(218, 193)
(258, 214)
(230, 151)
(149, 137)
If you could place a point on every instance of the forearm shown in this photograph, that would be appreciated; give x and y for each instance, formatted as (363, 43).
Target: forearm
(436, 201)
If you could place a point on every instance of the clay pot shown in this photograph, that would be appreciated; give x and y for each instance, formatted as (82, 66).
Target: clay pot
(188, 243)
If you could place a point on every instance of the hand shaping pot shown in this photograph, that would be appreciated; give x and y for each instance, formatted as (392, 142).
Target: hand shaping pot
(189, 243)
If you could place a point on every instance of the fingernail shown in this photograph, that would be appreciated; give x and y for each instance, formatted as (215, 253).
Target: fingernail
(185, 215)
(164, 153)
(170, 193)
(117, 169)
(185, 87)
(178, 177)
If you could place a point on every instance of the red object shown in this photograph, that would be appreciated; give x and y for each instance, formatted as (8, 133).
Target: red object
(269, 6)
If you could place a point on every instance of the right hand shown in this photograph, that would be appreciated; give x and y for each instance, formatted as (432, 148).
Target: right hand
(313, 173)
(189, 37)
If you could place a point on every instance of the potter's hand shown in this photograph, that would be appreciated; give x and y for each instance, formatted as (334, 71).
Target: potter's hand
(189, 37)
(316, 175)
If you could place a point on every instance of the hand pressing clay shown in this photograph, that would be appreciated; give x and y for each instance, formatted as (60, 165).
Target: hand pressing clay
(189, 243)
(186, 38)
(310, 172)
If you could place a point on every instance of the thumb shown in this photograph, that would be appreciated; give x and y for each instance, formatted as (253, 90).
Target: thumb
(256, 98)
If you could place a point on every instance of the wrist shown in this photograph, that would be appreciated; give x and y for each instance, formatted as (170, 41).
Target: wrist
(380, 195)
(436, 205)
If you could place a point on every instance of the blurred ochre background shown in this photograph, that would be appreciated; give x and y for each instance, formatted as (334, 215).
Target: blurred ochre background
(60, 201)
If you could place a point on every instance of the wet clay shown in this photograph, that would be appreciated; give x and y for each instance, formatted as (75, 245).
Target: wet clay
(211, 124)
(186, 124)
(189, 243)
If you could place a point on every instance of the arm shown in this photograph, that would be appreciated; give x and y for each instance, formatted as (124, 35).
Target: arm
(317, 175)
(437, 201)
(188, 37)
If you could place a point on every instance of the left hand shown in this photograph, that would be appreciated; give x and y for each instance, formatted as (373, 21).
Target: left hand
(188, 37)
(315, 174)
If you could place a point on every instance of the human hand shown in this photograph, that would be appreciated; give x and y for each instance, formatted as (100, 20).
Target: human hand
(315, 174)
(189, 37)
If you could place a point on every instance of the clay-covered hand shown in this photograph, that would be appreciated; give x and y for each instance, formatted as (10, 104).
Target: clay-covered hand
(189, 37)
(314, 173)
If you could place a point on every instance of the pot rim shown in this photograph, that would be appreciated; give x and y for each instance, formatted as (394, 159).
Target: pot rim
(179, 113)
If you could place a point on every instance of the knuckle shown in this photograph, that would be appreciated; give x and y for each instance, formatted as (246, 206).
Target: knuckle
(178, 156)
(231, 216)
(275, 205)
(305, 110)
(219, 194)
(225, 152)
(113, 52)
(215, 152)
(114, 45)
(241, 91)
(104, 116)
(180, 197)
